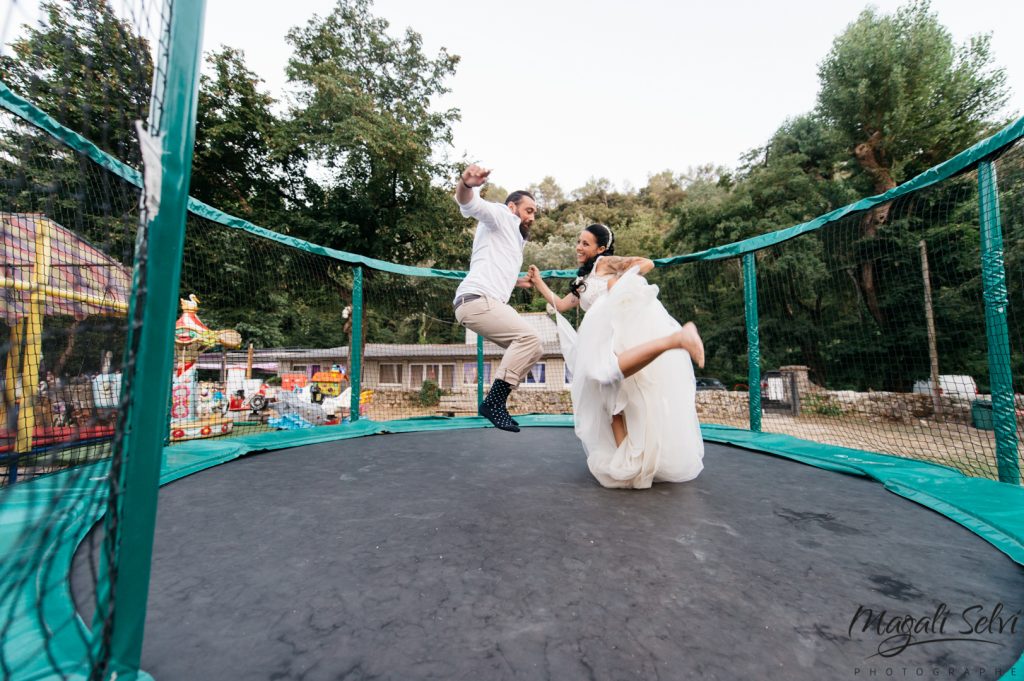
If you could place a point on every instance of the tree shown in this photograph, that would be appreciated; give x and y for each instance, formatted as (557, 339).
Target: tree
(903, 97)
(547, 193)
(595, 189)
(663, 189)
(493, 192)
(239, 167)
(791, 179)
(896, 98)
(88, 69)
(557, 252)
(363, 118)
(235, 166)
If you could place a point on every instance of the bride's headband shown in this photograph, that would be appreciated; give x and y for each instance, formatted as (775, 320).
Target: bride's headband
(611, 236)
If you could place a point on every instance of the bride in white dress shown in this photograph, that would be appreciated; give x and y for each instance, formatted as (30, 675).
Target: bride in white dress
(633, 387)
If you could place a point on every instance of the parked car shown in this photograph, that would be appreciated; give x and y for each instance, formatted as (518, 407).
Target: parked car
(707, 383)
(950, 385)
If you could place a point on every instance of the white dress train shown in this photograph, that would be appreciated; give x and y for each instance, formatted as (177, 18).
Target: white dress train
(664, 443)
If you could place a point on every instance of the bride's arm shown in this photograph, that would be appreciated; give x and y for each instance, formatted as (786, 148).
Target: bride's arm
(618, 265)
(561, 304)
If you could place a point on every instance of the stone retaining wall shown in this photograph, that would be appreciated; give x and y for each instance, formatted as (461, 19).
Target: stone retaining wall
(874, 406)
(523, 401)
(722, 406)
(728, 406)
(530, 401)
(885, 406)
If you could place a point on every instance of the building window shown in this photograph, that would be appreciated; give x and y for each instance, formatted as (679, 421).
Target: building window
(299, 367)
(441, 374)
(469, 373)
(568, 375)
(390, 374)
(536, 374)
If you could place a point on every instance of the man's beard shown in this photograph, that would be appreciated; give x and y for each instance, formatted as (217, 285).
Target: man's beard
(524, 229)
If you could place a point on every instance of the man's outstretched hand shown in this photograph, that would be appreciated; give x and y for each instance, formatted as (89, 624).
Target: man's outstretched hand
(475, 176)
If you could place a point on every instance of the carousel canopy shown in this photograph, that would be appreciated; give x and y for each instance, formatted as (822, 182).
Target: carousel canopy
(70, 275)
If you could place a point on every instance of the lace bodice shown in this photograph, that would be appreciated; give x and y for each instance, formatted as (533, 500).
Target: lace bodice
(596, 286)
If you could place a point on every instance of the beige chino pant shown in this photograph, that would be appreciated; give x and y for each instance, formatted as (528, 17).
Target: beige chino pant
(500, 324)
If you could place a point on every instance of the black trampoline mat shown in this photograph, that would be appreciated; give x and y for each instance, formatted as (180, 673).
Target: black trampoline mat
(478, 554)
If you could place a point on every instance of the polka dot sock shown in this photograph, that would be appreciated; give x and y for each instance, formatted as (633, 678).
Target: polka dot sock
(493, 407)
(499, 417)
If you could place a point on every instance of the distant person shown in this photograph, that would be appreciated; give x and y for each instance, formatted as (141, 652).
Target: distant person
(633, 388)
(481, 301)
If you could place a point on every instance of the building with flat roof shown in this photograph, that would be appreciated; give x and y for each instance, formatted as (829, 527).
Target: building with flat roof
(405, 366)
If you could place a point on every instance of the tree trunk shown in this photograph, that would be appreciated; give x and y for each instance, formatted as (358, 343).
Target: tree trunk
(929, 317)
(867, 155)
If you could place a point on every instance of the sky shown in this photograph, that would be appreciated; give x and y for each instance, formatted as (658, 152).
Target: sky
(580, 89)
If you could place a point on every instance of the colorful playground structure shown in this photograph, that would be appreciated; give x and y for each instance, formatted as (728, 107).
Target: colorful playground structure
(191, 338)
(49, 272)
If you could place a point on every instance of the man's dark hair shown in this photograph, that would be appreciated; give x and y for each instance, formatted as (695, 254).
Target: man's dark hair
(517, 196)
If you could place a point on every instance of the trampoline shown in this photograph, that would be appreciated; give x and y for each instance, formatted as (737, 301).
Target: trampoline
(475, 554)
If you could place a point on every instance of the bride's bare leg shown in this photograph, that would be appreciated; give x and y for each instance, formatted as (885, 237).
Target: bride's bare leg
(690, 340)
(687, 338)
(619, 428)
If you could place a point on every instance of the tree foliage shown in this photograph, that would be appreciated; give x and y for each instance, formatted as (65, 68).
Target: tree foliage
(238, 163)
(364, 119)
(897, 96)
(86, 67)
(903, 97)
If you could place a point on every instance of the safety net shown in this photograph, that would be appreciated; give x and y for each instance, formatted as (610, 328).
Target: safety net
(136, 320)
(83, 109)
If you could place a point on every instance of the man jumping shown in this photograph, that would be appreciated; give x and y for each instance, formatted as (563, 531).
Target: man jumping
(481, 301)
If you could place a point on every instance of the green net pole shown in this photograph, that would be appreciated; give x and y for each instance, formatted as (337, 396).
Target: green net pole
(479, 369)
(355, 348)
(994, 281)
(753, 341)
(143, 424)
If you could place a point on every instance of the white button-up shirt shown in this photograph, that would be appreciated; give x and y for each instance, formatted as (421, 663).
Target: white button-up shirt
(497, 250)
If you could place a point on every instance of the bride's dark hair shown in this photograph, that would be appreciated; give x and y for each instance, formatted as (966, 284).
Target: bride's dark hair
(604, 237)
